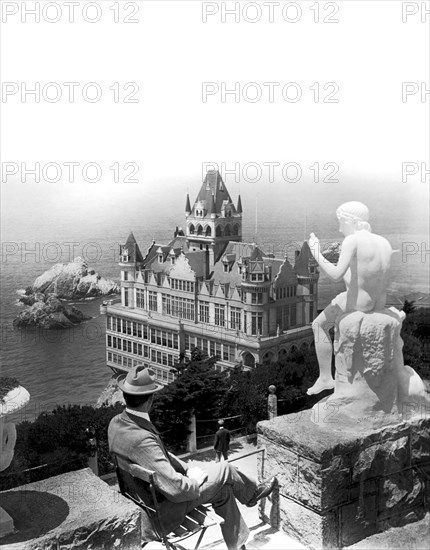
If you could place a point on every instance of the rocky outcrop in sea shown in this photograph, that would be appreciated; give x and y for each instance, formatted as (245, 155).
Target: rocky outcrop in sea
(48, 312)
(43, 300)
(110, 395)
(74, 280)
(331, 252)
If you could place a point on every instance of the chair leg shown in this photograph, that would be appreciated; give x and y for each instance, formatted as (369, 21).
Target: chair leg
(202, 532)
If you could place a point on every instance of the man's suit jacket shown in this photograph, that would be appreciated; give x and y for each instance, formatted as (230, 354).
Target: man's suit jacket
(222, 440)
(136, 439)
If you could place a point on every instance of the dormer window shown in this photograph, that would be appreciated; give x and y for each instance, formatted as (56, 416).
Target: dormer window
(225, 268)
(160, 258)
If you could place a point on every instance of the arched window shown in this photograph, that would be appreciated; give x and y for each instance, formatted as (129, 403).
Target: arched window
(227, 231)
(248, 359)
(208, 231)
(268, 357)
(236, 229)
(199, 230)
(191, 229)
(218, 231)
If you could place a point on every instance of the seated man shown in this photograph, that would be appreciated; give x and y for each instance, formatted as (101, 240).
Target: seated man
(364, 263)
(132, 436)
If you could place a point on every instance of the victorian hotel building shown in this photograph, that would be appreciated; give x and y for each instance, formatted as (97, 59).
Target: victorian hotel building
(208, 289)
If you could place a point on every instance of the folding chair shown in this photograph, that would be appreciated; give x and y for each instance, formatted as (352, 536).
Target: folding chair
(144, 495)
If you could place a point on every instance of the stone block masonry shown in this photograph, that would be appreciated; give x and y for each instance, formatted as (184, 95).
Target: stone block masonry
(338, 487)
(72, 511)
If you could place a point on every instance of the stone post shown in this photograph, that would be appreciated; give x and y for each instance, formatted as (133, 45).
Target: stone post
(192, 437)
(92, 448)
(272, 403)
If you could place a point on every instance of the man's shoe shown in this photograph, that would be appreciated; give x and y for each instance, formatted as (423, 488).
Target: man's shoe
(262, 491)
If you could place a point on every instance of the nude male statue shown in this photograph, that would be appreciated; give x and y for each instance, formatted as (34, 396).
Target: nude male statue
(364, 263)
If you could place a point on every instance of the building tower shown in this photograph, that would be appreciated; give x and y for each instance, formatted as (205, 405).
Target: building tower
(130, 260)
(213, 220)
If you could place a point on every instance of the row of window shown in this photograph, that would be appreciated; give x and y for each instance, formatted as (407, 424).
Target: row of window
(161, 337)
(225, 351)
(179, 284)
(286, 292)
(184, 307)
(178, 307)
(286, 316)
(257, 277)
(164, 338)
(127, 345)
(163, 375)
(160, 374)
(220, 317)
(132, 328)
(166, 359)
(122, 360)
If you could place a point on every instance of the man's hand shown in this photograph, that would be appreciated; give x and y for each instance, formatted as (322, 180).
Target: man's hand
(198, 474)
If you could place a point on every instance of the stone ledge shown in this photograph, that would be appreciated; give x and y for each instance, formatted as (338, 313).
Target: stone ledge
(72, 511)
(414, 536)
(337, 487)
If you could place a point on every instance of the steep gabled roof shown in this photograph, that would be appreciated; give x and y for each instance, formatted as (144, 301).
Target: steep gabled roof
(256, 254)
(187, 204)
(133, 249)
(303, 259)
(212, 206)
(197, 261)
(213, 184)
(179, 242)
(239, 206)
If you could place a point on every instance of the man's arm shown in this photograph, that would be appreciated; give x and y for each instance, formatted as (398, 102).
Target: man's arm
(178, 464)
(335, 272)
(172, 484)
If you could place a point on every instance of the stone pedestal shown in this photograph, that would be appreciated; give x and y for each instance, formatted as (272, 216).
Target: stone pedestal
(337, 487)
(373, 386)
(73, 511)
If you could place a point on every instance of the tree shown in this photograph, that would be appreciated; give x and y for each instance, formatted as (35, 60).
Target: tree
(56, 442)
(409, 306)
(198, 387)
(415, 334)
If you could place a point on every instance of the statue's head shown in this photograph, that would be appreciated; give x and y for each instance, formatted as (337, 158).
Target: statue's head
(355, 214)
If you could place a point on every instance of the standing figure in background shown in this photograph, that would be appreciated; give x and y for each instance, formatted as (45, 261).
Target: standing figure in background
(222, 442)
(364, 264)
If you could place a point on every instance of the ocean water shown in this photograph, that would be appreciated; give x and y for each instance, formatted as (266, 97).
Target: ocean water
(45, 224)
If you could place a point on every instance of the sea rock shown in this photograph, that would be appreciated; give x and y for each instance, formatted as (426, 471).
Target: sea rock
(110, 395)
(332, 252)
(48, 312)
(74, 280)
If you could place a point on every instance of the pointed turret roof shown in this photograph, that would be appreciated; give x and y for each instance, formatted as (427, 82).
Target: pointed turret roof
(212, 207)
(133, 249)
(188, 205)
(213, 186)
(239, 206)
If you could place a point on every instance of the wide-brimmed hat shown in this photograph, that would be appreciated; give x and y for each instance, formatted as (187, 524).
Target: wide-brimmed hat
(139, 381)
